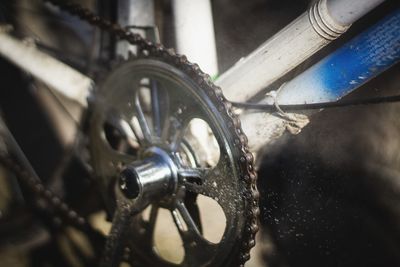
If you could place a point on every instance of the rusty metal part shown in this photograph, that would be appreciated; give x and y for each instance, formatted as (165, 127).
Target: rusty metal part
(229, 182)
(53, 204)
(242, 159)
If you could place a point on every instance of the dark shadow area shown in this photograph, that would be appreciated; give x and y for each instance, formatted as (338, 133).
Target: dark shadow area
(330, 196)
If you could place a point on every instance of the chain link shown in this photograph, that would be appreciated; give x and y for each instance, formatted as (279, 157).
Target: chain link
(54, 204)
(61, 210)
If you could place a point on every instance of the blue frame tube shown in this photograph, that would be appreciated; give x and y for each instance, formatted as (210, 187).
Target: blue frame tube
(358, 61)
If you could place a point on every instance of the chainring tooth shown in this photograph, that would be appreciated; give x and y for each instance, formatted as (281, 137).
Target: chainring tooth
(204, 81)
(245, 160)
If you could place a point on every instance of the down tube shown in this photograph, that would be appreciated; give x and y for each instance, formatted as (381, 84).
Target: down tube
(349, 67)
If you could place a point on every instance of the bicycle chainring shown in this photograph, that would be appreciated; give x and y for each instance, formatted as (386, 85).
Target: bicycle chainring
(146, 104)
(126, 122)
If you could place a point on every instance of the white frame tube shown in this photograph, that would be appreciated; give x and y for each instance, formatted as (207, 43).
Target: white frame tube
(194, 30)
(325, 21)
(57, 75)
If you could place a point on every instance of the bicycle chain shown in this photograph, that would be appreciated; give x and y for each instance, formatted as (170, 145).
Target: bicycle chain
(53, 204)
(62, 211)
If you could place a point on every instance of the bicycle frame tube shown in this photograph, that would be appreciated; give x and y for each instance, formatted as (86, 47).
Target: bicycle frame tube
(355, 63)
(325, 21)
(374, 54)
(54, 73)
(138, 13)
(195, 38)
(361, 59)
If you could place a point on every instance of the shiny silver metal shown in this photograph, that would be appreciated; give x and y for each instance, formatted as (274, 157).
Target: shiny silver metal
(150, 179)
(148, 145)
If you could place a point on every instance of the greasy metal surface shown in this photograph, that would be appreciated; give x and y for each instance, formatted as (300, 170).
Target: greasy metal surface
(225, 183)
(52, 203)
(234, 175)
